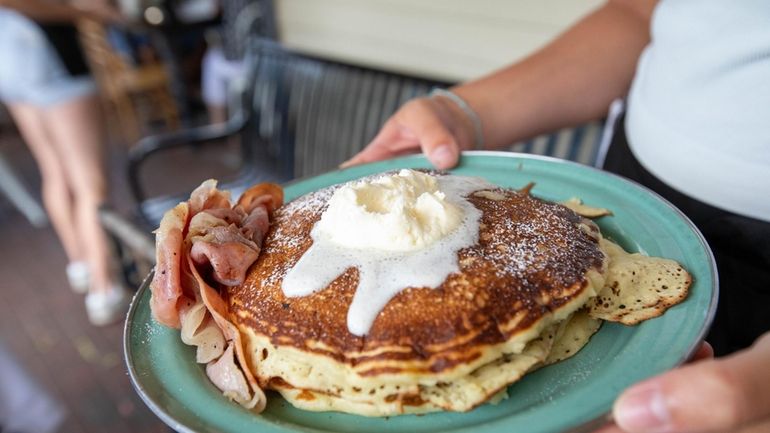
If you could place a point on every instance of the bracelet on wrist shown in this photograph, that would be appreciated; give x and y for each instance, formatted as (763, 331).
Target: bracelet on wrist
(478, 132)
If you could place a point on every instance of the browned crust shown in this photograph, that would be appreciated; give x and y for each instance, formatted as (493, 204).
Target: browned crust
(446, 325)
(660, 305)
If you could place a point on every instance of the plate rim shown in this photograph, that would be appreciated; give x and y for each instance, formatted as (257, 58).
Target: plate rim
(177, 425)
(154, 406)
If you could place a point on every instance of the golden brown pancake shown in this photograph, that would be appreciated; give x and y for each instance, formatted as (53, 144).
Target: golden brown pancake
(535, 263)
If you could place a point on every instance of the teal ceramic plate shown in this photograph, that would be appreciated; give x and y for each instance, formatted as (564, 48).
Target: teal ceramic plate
(575, 395)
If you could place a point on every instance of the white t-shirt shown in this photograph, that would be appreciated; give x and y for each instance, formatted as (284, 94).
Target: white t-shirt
(699, 109)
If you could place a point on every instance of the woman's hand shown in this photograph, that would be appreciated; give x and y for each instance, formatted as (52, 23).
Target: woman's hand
(727, 395)
(435, 125)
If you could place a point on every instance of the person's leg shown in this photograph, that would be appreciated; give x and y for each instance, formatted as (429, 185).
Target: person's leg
(76, 129)
(57, 197)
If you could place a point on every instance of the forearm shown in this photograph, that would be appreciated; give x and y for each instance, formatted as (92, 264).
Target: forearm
(570, 81)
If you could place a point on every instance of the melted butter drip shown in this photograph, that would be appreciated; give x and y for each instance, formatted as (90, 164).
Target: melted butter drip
(383, 274)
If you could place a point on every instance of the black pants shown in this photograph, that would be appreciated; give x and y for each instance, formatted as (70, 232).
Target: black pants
(741, 247)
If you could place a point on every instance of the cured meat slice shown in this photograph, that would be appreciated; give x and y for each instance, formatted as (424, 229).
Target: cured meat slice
(209, 236)
(167, 282)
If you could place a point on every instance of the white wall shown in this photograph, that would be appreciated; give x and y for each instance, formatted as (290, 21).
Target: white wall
(445, 39)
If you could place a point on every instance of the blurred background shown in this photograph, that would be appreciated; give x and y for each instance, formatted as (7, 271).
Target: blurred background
(242, 91)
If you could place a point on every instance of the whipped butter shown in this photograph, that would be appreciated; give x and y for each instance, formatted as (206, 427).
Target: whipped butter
(399, 230)
(403, 212)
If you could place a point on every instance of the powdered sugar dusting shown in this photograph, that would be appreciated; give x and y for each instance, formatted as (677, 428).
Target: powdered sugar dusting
(530, 256)
(531, 239)
(385, 273)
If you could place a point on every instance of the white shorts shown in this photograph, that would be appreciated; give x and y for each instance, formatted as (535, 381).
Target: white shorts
(30, 68)
(217, 74)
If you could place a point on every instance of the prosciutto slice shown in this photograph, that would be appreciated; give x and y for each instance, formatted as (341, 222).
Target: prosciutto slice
(207, 196)
(166, 284)
(268, 195)
(209, 236)
(218, 309)
(225, 247)
(200, 330)
(227, 376)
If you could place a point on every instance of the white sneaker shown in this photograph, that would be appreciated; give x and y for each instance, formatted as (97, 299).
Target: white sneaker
(79, 276)
(109, 307)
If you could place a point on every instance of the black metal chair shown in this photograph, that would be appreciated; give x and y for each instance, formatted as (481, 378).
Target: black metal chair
(296, 116)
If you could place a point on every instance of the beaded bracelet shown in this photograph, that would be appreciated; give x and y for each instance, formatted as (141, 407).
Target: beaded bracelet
(470, 112)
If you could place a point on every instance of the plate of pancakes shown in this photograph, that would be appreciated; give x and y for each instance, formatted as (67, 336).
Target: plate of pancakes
(575, 394)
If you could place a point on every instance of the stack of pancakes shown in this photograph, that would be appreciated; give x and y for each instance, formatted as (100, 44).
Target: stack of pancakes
(524, 297)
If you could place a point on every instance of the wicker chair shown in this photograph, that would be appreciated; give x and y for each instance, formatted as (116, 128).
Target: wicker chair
(126, 87)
